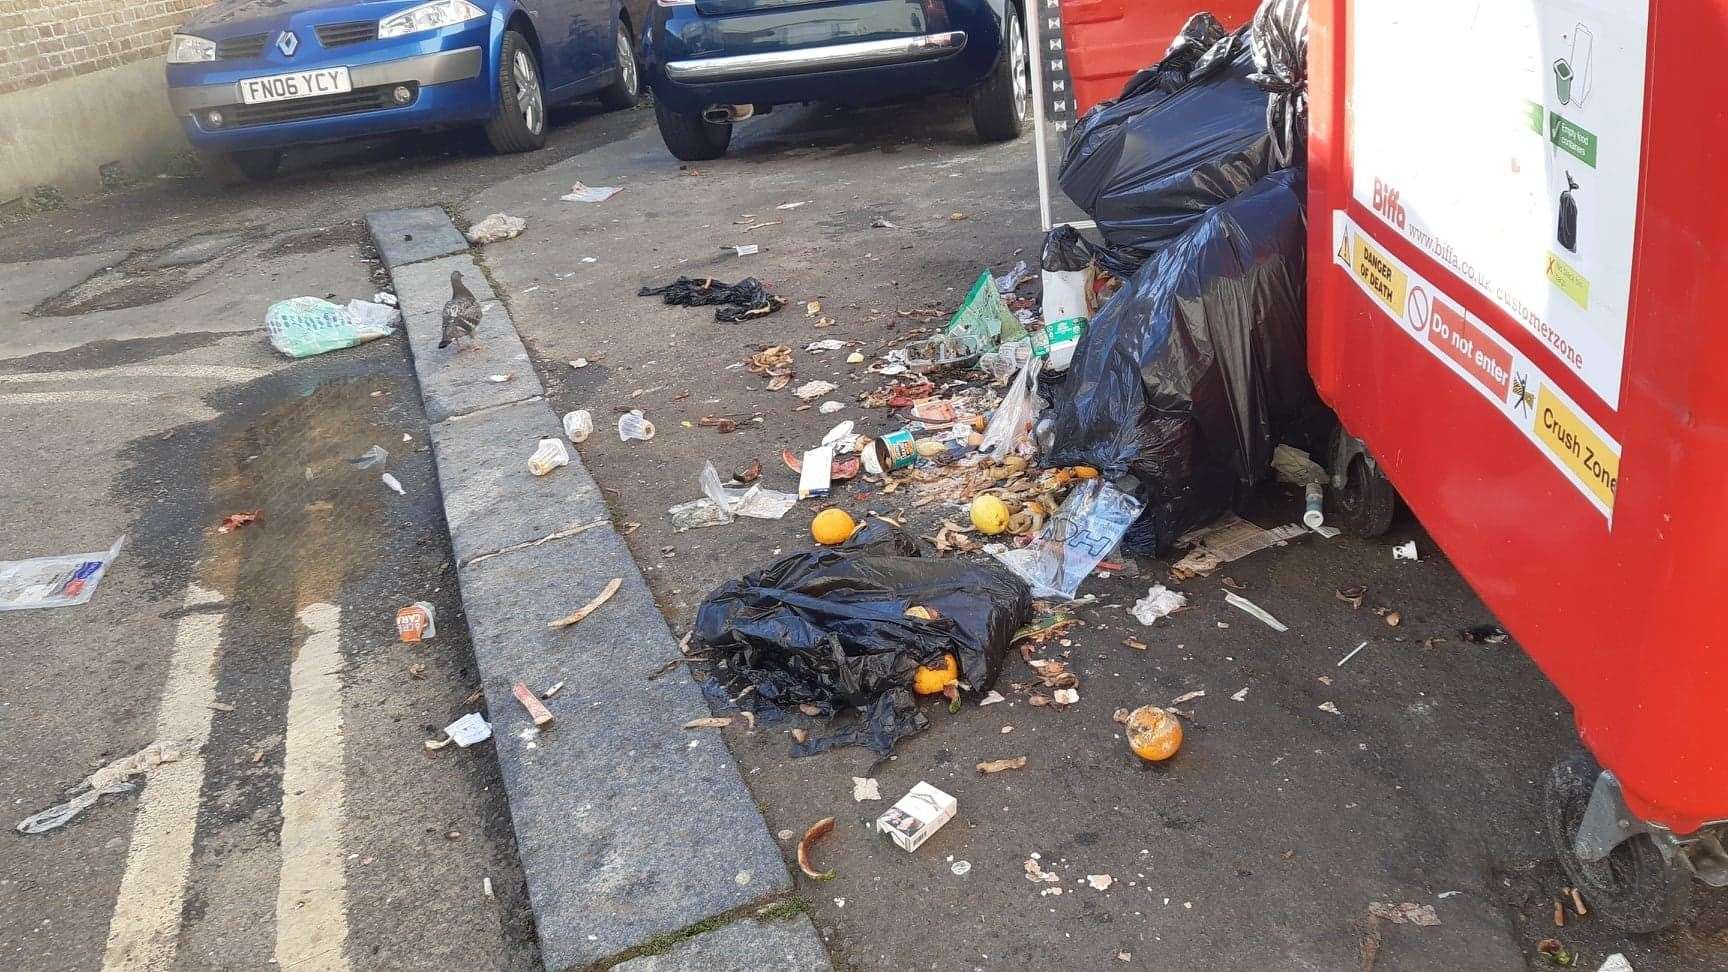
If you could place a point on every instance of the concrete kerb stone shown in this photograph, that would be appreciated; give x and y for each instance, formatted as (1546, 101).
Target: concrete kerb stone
(456, 382)
(405, 236)
(629, 828)
(742, 946)
(491, 500)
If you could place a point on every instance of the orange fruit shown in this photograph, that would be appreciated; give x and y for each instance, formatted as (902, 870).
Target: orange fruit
(1085, 472)
(1153, 733)
(931, 681)
(832, 526)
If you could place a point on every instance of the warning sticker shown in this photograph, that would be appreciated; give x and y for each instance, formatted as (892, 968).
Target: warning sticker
(1578, 447)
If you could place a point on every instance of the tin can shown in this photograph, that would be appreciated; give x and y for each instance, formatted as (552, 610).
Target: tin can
(889, 452)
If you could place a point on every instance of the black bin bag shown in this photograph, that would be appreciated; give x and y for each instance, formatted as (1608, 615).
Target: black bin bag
(1181, 140)
(1194, 371)
(828, 628)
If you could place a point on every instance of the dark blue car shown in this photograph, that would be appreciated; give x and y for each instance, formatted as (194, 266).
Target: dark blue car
(249, 78)
(715, 62)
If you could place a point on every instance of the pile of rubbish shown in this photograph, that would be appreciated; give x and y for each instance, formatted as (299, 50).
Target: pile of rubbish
(1124, 397)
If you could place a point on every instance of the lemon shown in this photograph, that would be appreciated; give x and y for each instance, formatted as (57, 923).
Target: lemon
(931, 681)
(989, 515)
(1154, 734)
(832, 526)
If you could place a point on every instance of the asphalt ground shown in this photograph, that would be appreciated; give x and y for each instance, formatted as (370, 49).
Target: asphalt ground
(1268, 835)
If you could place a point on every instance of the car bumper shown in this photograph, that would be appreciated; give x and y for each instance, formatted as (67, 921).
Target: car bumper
(444, 87)
(815, 60)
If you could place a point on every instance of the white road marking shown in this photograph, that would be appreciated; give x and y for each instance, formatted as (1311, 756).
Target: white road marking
(221, 373)
(311, 903)
(191, 408)
(146, 923)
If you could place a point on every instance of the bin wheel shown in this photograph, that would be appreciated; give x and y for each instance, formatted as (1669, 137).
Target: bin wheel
(1367, 501)
(1635, 888)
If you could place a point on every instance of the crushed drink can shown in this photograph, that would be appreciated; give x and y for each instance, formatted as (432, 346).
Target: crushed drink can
(417, 622)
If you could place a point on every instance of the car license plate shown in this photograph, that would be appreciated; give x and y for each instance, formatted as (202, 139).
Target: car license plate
(300, 84)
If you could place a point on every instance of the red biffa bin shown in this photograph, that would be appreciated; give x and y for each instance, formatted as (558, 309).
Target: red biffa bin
(1518, 276)
(1107, 41)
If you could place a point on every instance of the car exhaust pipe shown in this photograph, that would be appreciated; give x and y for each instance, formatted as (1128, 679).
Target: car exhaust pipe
(727, 114)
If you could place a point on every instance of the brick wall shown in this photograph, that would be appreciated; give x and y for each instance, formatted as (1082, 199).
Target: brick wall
(49, 40)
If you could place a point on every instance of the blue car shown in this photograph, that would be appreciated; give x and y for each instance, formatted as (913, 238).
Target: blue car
(249, 78)
(712, 63)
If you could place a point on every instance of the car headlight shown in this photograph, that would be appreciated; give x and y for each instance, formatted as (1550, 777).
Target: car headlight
(186, 49)
(429, 16)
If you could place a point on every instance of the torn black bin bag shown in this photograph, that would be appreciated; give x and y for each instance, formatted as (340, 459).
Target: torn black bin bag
(1192, 373)
(1147, 166)
(1280, 40)
(828, 628)
(740, 301)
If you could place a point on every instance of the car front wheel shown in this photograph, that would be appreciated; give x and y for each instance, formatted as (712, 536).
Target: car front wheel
(252, 165)
(519, 124)
(1002, 103)
(692, 138)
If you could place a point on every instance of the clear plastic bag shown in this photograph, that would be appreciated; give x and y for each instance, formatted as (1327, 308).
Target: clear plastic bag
(1011, 425)
(305, 326)
(1087, 527)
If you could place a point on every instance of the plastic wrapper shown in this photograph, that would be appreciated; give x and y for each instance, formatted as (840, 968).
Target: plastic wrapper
(1184, 138)
(828, 628)
(50, 582)
(1089, 525)
(984, 320)
(1194, 371)
(1280, 40)
(743, 300)
(1011, 423)
(305, 326)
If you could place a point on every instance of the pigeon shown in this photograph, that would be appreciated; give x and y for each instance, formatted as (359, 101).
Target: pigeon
(461, 312)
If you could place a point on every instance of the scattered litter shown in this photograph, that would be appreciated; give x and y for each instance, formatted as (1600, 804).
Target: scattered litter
(1011, 281)
(1352, 654)
(963, 868)
(1089, 523)
(605, 595)
(537, 711)
(831, 344)
(222, 706)
(110, 779)
(486, 886)
(1405, 551)
(794, 205)
(1010, 426)
(1328, 707)
(464, 732)
(720, 504)
(815, 478)
(384, 297)
(998, 765)
(813, 389)
(1154, 734)
(1228, 539)
(554, 690)
(832, 527)
(992, 697)
(496, 228)
(742, 249)
(1616, 963)
(1035, 872)
(235, 521)
(1352, 595)
(1240, 696)
(49, 582)
(855, 358)
(631, 425)
(551, 455)
(1556, 953)
(709, 722)
(1065, 696)
(579, 363)
(417, 622)
(1484, 634)
(307, 326)
(918, 814)
(500, 379)
(578, 425)
(1159, 602)
(1100, 882)
(829, 408)
(1393, 619)
(880, 223)
(1238, 601)
(1404, 914)
(817, 831)
(865, 788)
(748, 298)
(375, 456)
(1188, 697)
(591, 194)
(394, 484)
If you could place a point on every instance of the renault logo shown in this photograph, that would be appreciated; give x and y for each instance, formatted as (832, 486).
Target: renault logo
(287, 43)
